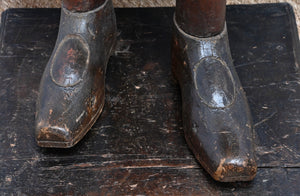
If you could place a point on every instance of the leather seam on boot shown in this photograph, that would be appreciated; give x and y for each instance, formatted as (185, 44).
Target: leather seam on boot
(215, 37)
(68, 12)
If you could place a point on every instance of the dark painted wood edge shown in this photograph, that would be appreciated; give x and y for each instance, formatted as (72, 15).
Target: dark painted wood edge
(295, 35)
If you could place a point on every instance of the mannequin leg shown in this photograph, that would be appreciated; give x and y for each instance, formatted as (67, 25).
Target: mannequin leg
(71, 95)
(216, 116)
(201, 18)
(82, 5)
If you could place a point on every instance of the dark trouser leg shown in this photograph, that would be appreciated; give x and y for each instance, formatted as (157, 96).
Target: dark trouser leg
(71, 95)
(216, 116)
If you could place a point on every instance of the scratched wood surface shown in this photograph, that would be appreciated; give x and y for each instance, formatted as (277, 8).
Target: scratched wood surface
(137, 146)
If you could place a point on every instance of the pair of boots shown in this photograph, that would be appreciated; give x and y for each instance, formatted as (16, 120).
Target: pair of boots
(216, 115)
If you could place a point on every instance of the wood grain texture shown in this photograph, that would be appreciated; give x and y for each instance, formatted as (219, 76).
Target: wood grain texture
(137, 145)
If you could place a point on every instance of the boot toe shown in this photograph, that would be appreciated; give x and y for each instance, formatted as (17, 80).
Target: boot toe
(53, 136)
(235, 169)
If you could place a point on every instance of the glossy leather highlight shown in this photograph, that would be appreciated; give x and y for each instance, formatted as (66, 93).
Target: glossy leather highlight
(214, 82)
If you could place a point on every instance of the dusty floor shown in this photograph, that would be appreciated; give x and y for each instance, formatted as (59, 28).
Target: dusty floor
(5, 4)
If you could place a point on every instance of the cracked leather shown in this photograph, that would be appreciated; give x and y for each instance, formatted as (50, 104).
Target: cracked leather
(216, 116)
(72, 88)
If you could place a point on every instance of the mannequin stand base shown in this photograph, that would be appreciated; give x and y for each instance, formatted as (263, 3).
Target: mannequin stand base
(137, 146)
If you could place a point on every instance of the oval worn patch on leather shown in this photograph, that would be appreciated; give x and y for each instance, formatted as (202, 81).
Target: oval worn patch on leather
(70, 61)
(214, 82)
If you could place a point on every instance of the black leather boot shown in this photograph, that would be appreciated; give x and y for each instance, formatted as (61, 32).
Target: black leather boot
(216, 116)
(71, 95)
